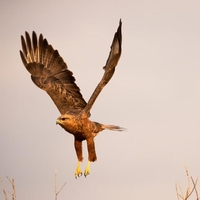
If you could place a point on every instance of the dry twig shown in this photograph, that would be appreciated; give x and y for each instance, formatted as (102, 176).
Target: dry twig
(13, 189)
(12, 182)
(189, 191)
(56, 193)
(4, 191)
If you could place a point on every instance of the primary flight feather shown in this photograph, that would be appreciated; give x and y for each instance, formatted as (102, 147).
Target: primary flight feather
(50, 73)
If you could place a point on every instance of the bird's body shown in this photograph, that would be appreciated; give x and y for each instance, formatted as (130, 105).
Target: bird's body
(50, 73)
(81, 127)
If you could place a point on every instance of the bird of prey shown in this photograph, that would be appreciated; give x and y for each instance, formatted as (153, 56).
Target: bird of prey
(50, 73)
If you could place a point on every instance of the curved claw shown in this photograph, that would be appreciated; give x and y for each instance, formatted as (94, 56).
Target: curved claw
(86, 173)
(78, 174)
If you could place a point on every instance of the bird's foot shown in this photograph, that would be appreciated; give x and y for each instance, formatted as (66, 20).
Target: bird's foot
(87, 170)
(78, 171)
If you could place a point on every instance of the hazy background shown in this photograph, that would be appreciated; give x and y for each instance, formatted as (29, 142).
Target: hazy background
(155, 94)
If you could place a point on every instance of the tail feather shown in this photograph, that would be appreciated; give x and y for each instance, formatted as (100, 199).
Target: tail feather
(113, 127)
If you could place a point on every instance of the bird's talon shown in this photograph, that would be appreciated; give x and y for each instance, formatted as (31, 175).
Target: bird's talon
(78, 173)
(86, 173)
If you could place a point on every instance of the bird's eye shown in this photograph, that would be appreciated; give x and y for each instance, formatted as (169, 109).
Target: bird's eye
(63, 118)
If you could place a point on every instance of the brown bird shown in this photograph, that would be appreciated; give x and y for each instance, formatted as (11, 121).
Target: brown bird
(50, 73)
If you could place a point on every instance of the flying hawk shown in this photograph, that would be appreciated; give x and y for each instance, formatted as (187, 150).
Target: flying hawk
(50, 73)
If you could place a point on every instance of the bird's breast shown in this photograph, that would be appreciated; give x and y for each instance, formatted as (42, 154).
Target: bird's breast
(81, 127)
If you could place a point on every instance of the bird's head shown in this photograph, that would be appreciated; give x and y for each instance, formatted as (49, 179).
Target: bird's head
(64, 119)
(67, 121)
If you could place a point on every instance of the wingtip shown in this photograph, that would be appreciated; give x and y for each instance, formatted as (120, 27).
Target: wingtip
(119, 30)
(120, 23)
(27, 34)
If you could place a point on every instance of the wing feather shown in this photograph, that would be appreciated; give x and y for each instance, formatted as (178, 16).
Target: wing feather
(34, 43)
(29, 47)
(50, 73)
(23, 46)
(111, 63)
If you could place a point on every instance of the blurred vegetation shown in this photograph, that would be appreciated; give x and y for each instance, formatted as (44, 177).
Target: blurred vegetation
(191, 189)
(13, 193)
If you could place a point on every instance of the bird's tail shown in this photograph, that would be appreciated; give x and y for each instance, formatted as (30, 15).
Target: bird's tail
(113, 127)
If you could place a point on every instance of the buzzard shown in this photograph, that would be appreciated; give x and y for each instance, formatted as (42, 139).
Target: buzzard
(50, 73)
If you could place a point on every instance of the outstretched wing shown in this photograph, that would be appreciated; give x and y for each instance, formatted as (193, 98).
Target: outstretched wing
(109, 68)
(50, 73)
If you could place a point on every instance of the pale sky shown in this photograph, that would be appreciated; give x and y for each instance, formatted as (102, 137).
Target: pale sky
(154, 93)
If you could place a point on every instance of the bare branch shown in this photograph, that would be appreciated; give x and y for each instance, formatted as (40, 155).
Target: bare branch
(195, 183)
(178, 195)
(61, 188)
(188, 187)
(56, 193)
(188, 190)
(4, 191)
(55, 184)
(12, 182)
(182, 195)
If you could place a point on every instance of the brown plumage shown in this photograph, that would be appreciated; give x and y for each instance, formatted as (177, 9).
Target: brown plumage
(50, 73)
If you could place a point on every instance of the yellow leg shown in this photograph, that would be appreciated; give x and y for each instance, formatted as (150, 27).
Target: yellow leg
(87, 170)
(78, 171)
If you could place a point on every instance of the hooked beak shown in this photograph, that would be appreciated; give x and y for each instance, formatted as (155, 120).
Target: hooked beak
(57, 121)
